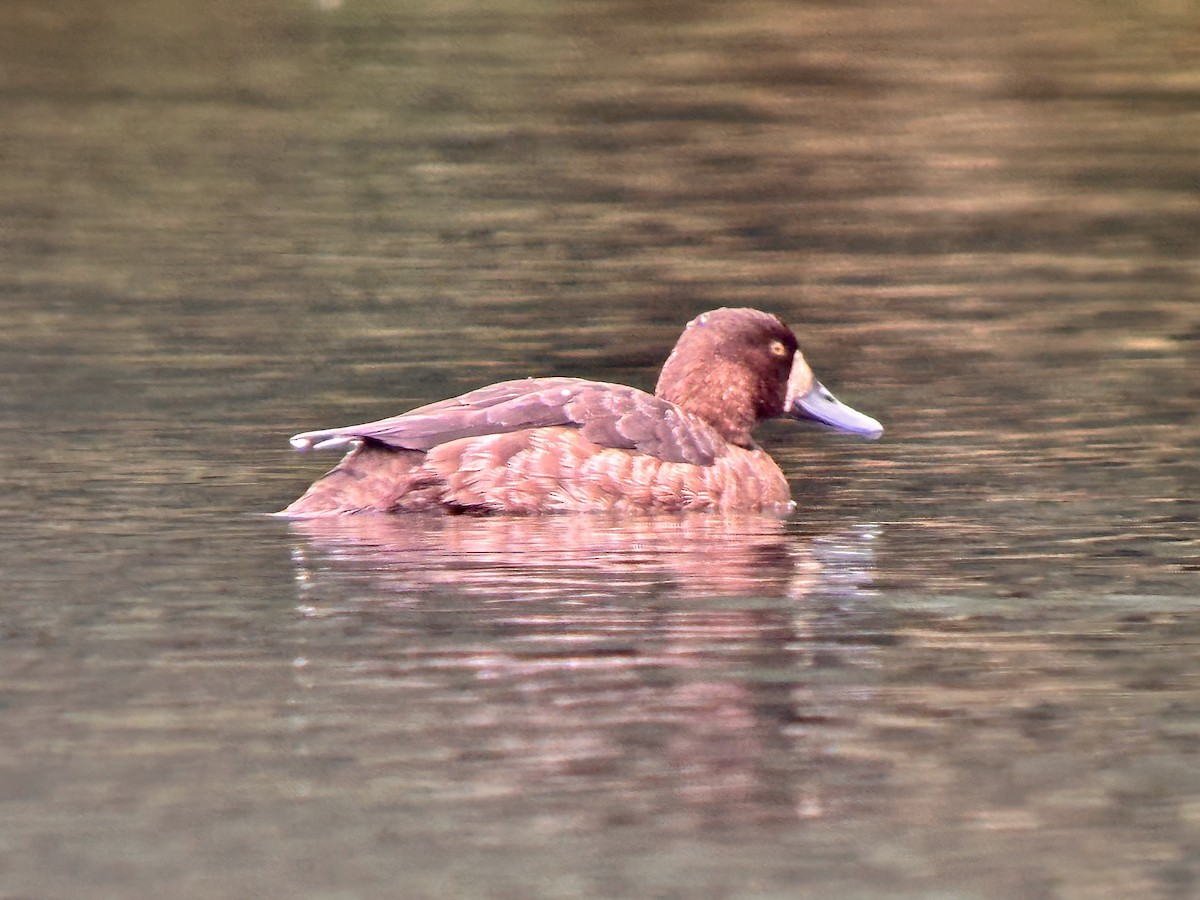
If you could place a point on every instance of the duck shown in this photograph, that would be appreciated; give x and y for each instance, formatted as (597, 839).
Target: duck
(572, 445)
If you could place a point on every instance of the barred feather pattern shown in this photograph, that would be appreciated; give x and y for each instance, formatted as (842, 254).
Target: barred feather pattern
(542, 470)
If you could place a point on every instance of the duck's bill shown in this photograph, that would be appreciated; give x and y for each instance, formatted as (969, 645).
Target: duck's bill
(818, 404)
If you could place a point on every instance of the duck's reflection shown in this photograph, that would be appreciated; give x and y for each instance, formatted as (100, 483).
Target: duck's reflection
(658, 666)
(511, 558)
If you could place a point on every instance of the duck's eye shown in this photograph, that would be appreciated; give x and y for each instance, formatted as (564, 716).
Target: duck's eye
(777, 348)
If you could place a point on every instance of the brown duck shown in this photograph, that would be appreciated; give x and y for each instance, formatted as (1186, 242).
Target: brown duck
(542, 445)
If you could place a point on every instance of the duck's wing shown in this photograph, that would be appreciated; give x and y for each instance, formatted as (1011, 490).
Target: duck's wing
(610, 415)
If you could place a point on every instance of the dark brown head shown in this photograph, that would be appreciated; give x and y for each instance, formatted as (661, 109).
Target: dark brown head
(736, 367)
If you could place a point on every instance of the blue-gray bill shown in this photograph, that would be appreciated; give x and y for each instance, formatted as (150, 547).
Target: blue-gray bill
(818, 404)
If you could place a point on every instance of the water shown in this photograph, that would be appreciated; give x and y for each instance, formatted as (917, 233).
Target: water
(965, 668)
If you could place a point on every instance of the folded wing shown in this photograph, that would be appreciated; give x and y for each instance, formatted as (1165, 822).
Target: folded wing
(610, 415)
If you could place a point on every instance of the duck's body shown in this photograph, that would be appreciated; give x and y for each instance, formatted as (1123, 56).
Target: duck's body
(571, 445)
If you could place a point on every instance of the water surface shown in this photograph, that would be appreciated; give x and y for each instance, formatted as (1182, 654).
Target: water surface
(965, 668)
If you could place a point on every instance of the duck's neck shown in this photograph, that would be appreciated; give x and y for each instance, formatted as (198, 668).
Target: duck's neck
(723, 403)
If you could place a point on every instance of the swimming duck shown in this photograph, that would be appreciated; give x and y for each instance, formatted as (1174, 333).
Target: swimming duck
(541, 445)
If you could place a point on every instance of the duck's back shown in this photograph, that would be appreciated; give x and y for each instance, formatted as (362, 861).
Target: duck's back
(542, 445)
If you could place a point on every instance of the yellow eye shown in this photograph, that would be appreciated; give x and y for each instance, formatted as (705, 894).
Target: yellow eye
(777, 348)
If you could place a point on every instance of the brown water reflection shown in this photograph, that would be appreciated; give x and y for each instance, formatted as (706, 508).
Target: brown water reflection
(580, 557)
(653, 658)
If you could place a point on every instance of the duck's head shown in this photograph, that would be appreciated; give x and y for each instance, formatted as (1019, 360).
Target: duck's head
(736, 367)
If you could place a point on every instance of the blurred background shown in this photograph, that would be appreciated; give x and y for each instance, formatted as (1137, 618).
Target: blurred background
(964, 668)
